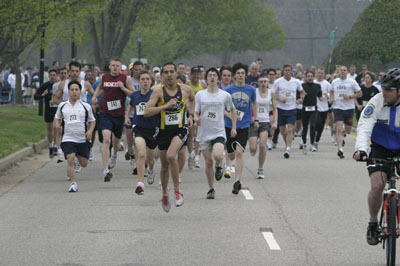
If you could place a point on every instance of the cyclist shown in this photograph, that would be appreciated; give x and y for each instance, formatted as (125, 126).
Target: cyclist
(380, 122)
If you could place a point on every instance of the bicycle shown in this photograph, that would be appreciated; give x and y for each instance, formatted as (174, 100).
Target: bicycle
(389, 219)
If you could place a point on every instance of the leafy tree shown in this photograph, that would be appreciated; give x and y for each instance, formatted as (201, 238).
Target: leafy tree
(183, 28)
(374, 36)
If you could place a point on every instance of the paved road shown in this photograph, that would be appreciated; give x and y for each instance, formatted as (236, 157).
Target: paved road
(313, 206)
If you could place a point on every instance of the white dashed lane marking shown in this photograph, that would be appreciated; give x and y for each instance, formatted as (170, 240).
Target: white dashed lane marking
(246, 193)
(270, 239)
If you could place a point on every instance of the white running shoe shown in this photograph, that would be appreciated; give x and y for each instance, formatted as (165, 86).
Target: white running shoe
(113, 161)
(77, 165)
(73, 187)
(196, 161)
(260, 173)
(178, 198)
(91, 154)
(60, 156)
(139, 188)
(151, 177)
(227, 173)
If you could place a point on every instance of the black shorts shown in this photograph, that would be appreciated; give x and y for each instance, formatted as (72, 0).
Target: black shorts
(148, 134)
(240, 139)
(114, 124)
(49, 114)
(299, 113)
(379, 152)
(343, 115)
(164, 137)
(81, 149)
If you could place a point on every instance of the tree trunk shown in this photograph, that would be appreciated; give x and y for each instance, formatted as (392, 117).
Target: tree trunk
(18, 86)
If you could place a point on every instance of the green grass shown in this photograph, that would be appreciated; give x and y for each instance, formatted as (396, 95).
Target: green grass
(20, 126)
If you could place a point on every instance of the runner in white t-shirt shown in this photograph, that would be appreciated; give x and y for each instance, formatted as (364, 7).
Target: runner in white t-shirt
(209, 116)
(343, 92)
(76, 135)
(285, 89)
(265, 98)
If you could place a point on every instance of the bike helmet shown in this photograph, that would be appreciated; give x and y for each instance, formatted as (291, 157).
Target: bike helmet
(390, 79)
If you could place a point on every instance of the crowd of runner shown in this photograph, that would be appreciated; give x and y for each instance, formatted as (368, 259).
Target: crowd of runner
(165, 111)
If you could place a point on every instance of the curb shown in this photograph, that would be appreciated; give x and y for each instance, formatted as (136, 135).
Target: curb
(14, 158)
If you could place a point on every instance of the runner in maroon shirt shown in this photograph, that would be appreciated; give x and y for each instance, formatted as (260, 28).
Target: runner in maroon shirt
(116, 87)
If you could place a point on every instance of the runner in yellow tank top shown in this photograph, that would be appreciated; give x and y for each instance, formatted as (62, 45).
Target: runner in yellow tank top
(196, 85)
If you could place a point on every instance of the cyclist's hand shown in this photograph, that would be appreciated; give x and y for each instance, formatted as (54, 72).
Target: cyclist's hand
(360, 156)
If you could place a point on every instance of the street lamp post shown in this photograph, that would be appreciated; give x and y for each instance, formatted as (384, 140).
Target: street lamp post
(140, 40)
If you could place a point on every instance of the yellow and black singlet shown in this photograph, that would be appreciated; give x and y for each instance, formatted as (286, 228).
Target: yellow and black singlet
(175, 117)
(197, 88)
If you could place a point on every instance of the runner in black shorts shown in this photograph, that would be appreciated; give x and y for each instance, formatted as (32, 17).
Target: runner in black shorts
(145, 130)
(46, 91)
(171, 100)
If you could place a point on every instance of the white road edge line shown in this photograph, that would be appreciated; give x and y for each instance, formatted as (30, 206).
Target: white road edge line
(269, 237)
(246, 193)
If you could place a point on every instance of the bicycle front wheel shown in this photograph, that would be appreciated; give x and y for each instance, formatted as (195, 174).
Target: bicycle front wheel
(392, 232)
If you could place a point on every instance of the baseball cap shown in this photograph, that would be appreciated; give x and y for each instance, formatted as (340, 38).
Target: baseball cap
(123, 67)
(156, 69)
(195, 69)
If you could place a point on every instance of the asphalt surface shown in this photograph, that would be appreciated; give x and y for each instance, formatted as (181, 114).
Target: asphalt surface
(309, 210)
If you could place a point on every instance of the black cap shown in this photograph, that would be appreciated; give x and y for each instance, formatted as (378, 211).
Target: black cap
(195, 69)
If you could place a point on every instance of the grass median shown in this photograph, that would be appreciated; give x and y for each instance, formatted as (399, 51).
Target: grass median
(20, 126)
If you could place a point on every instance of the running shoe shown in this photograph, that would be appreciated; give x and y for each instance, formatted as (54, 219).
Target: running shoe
(316, 145)
(165, 203)
(139, 188)
(211, 194)
(274, 145)
(77, 165)
(305, 149)
(73, 187)
(269, 147)
(227, 173)
(286, 154)
(55, 151)
(107, 176)
(260, 173)
(190, 162)
(151, 176)
(51, 155)
(91, 154)
(60, 156)
(113, 161)
(340, 154)
(236, 187)
(196, 162)
(121, 146)
(127, 155)
(178, 198)
(313, 148)
(218, 173)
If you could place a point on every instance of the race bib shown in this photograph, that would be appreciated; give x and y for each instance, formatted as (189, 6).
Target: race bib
(140, 109)
(212, 116)
(173, 119)
(262, 110)
(288, 94)
(113, 105)
(364, 103)
(309, 108)
(340, 96)
(73, 118)
(240, 114)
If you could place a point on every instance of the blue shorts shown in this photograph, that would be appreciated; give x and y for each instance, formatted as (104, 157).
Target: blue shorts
(114, 124)
(286, 117)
